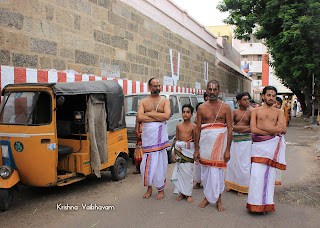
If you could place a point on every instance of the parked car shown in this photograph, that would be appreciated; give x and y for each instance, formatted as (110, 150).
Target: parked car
(231, 101)
(177, 100)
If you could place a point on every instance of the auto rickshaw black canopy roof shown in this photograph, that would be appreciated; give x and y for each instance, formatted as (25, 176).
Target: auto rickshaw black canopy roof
(107, 91)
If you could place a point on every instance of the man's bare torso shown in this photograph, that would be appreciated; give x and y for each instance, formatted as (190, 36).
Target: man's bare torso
(267, 117)
(151, 104)
(210, 110)
(243, 116)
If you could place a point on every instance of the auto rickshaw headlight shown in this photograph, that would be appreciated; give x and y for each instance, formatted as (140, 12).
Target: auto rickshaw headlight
(5, 172)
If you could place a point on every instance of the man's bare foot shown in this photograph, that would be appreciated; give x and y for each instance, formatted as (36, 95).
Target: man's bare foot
(196, 186)
(228, 190)
(180, 197)
(148, 193)
(220, 207)
(240, 194)
(204, 203)
(189, 199)
(160, 195)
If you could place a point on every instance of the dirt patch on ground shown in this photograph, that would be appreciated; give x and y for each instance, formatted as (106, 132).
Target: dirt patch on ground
(306, 191)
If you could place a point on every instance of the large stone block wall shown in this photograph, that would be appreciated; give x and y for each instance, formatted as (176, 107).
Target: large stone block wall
(102, 37)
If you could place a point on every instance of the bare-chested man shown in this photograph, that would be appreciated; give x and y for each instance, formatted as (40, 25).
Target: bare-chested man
(212, 145)
(268, 152)
(153, 112)
(238, 170)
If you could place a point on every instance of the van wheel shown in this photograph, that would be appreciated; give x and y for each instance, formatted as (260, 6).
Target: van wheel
(119, 169)
(6, 196)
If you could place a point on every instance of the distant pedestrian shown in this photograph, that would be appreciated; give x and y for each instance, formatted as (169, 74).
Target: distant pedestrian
(295, 108)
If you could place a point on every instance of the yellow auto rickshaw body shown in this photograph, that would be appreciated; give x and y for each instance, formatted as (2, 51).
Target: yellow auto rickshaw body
(35, 123)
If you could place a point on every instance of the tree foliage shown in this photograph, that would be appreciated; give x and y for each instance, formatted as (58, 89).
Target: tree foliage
(291, 29)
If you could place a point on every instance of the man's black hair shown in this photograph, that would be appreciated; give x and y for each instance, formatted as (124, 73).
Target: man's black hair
(279, 100)
(264, 91)
(149, 82)
(198, 105)
(205, 95)
(240, 95)
(188, 106)
(213, 82)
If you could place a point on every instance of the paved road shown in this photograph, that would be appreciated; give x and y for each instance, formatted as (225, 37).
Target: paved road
(37, 207)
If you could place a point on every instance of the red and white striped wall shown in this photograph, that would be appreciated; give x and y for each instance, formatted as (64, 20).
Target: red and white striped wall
(10, 75)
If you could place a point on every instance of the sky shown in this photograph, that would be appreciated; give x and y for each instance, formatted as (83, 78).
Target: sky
(204, 11)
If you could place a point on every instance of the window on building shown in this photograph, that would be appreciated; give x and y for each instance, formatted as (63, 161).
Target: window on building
(259, 77)
(259, 57)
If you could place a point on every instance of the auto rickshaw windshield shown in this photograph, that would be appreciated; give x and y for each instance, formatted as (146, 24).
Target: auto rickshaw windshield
(26, 108)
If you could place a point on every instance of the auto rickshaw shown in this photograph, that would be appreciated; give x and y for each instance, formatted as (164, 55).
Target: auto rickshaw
(55, 134)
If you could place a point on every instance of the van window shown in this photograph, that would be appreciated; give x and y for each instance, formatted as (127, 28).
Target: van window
(174, 104)
(194, 103)
(131, 104)
(184, 100)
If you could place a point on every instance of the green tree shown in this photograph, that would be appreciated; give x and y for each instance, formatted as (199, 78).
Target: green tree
(291, 30)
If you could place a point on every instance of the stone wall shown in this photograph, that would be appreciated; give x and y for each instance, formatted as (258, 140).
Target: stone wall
(107, 38)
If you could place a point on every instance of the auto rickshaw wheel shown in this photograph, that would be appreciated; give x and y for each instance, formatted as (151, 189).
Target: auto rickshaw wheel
(119, 169)
(6, 196)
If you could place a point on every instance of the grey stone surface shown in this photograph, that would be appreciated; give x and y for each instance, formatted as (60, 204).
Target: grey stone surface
(77, 21)
(153, 54)
(101, 37)
(124, 66)
(28, 26)
(129, 35)
(142, 50)
(66, 53)
(133, 27)
(87, 70)
(117, 20)
(137, 69)
(59, 64)
(11, 19)
(45, 63)
(23, 60)
(136, 18)
(43, 46)
(4, 57)
(104, 3)
(86, 58)
(93, 1)
(119, 42)
(49, 12)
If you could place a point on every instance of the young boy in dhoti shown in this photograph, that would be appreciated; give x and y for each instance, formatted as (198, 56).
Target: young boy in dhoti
(212, 144)
(268, 152)
(238, 170)
(153, 112)
(182, 176)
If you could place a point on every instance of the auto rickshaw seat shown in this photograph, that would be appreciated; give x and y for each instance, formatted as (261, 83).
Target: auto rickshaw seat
(64, 150)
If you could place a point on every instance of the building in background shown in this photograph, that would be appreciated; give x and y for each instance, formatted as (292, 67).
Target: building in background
(254, 61)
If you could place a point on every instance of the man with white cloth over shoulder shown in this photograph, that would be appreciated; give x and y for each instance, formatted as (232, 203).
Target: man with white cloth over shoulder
(212, 144)
(153, 112)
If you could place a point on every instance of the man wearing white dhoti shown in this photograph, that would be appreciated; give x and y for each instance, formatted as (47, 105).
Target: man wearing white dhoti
(212, 144)
(268, 152)
(182, 176)
(238, 170)
(153, 112)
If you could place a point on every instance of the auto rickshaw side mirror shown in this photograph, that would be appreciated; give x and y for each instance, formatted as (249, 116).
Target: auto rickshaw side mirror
(60, 101)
